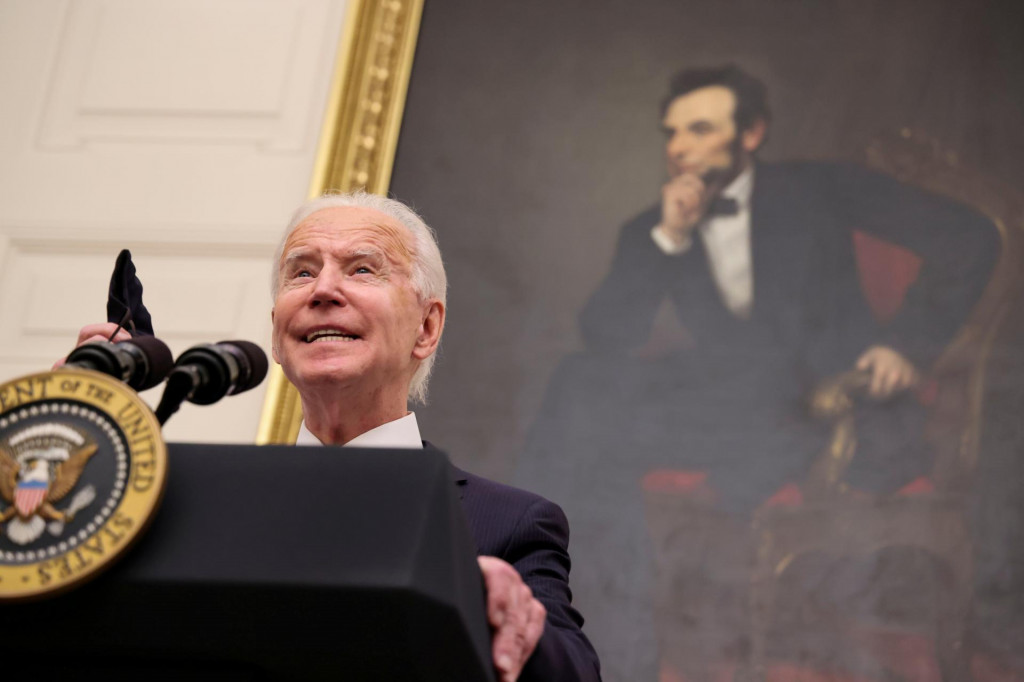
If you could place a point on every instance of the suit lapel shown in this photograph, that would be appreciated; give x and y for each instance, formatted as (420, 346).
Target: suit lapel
(459, 477)
(764, 224)
(784, 223)
(794, 238)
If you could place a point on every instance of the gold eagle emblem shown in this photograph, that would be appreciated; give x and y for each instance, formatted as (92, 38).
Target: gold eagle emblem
(39, 466)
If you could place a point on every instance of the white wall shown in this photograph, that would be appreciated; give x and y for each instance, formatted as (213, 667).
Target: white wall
(185, 131)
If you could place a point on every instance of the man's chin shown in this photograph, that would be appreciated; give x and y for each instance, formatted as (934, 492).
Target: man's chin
(333, 374)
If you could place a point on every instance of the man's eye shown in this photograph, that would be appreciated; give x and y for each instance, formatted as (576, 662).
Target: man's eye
(303, 273)
(363, 270)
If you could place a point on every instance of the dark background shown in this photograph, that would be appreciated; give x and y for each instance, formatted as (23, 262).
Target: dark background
(531, 133)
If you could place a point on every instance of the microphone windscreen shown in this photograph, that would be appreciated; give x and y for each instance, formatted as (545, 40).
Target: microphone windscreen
(158, 356)
(257, 364)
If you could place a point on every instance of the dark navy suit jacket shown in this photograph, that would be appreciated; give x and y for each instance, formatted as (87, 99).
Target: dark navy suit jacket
(532, 534)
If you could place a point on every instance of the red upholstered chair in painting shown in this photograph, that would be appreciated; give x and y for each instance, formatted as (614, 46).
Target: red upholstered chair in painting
(701, 570)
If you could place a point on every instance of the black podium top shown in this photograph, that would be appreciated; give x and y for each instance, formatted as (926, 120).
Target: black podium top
(281, 561)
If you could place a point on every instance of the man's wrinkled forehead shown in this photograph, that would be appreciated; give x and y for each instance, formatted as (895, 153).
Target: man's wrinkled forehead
(355, 228)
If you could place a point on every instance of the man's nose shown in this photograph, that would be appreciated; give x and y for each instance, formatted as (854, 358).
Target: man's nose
(678, 146)
(329, 288)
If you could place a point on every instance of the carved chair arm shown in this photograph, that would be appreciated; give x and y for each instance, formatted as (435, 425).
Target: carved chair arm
(834, 400)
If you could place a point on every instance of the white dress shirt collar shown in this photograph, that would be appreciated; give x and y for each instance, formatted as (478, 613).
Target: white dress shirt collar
(403, 432)
(741, 188)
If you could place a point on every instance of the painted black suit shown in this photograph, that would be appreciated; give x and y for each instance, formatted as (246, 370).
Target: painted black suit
(746, 380)
(532, 534)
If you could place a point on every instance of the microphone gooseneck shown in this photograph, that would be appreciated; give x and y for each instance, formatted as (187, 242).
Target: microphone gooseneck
(206, 373)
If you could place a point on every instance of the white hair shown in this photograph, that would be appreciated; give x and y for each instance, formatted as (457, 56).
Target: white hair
(428, 278)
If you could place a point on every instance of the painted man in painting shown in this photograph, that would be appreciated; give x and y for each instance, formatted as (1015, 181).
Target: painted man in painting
(758, 264)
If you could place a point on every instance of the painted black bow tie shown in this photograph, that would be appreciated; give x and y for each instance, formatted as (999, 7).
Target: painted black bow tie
(723, 206)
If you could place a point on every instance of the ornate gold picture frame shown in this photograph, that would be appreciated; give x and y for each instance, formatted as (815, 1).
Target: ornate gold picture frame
(357, 145)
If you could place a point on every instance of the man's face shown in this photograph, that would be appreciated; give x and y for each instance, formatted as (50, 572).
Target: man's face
(702, 135)
(346, 313)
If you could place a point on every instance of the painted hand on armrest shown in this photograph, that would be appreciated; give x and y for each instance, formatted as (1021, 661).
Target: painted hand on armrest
(890, 372)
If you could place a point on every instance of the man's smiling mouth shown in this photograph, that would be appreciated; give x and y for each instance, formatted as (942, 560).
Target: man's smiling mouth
(329, 335)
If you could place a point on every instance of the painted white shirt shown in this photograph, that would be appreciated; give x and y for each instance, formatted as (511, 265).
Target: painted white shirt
(403, 432)
(727, 243)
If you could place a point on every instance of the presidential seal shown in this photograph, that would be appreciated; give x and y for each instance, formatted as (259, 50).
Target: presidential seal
(82, 470)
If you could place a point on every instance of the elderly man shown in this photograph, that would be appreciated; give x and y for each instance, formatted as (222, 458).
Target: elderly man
(359, 308)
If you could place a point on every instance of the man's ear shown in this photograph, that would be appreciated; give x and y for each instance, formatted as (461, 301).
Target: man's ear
(752, 137)
(273, 339)
(429, 333)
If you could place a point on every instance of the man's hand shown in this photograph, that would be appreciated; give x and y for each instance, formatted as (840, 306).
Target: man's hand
(890, 371)
(96, 332)
(684, 200)
(515, 615)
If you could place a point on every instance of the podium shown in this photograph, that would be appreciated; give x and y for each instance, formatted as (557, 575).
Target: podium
(280, 562)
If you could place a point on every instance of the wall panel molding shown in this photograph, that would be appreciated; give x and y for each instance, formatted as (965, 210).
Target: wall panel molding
(232, 71)
(195, 238)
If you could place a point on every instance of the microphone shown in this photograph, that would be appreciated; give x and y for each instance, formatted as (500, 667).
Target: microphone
(206, 373)
(142, 362)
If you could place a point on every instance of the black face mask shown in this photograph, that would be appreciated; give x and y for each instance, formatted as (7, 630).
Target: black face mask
(124, 300)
